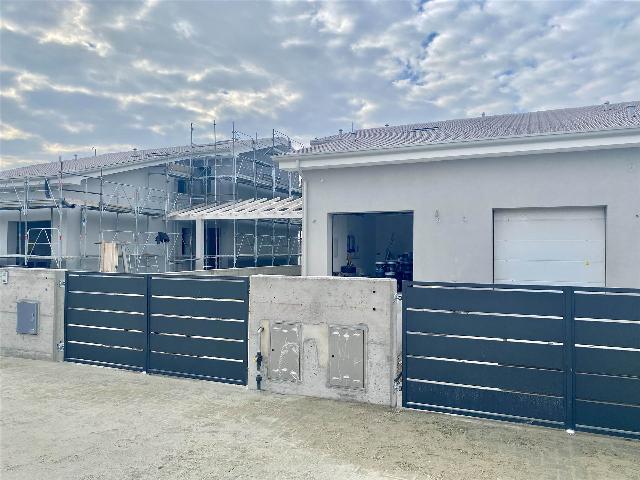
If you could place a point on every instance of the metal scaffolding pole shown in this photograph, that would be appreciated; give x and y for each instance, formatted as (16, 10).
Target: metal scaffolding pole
(26, 219)
(235, 190)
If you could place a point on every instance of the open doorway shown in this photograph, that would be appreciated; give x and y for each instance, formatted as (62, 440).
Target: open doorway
(373, 244)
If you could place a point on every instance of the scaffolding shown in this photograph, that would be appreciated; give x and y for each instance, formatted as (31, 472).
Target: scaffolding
(174, 179)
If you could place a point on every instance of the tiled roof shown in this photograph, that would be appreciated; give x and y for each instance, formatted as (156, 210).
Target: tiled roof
(593, 118)
(167, 154)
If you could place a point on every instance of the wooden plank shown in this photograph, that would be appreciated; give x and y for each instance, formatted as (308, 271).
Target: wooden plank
(463, 399)
(120, 356)
(198, 346)
(486, 300)
(200, 308)
(608, 333)
(607, 362)
(119, 338)
(515, 379)
(106, 319)
(102, 301)
(106, 283)
(206, 367)
(519, 328)
(607, 415)
(199, 327)
(614, 307)
(199, 287)
(624, 390)
(505, 353)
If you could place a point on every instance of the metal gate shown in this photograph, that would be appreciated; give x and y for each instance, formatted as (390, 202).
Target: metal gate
(555, 356)
(193, 326)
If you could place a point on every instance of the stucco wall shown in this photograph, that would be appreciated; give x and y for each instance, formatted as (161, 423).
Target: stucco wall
(315, 303)
(453, 204)
(42, 286)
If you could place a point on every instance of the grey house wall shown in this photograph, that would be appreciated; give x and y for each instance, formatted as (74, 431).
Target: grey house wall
(453, 204)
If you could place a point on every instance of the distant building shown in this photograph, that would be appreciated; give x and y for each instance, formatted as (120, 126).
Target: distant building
(57, 214)
(550, 197)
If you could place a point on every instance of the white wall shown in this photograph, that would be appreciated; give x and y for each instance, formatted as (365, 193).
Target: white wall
(453, 204)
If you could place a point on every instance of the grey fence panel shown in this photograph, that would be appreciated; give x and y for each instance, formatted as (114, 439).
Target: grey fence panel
(607, 361)
(539, 354)
(198, 327)
(175, 325)
(105, 319)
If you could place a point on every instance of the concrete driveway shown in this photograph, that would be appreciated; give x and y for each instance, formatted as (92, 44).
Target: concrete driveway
(68, 421)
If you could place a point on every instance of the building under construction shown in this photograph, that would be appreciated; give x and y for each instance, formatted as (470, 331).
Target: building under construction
(218, 205)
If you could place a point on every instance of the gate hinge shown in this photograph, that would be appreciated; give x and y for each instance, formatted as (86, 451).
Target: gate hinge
(60, 346)
(61, 283)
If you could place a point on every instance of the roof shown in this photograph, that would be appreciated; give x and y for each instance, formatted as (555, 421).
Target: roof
(134, 157)
(594, 118)
(261, 208)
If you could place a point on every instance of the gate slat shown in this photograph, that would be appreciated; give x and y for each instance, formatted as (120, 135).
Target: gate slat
(220, 370)
(607, 415)
(97, 282)
(623, 390)
(118, 338)
(608, 362)
(105, 355)
(486, 403)
(106, 302)
(614, 307)
(199, 287)
(515, 379)
(608, 333)
(199, 327)
(199, 308)
(487, 300)
(481, 350)
(106, 319)
(198, 346)
(519, 328)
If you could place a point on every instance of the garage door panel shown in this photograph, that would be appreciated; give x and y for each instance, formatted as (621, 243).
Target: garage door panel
(550, 250)
(561, 246)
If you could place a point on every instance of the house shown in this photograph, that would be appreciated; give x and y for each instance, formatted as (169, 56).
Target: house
(548, 197)
(59, 213)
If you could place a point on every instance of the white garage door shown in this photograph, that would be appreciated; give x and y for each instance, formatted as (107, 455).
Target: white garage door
(560, 246)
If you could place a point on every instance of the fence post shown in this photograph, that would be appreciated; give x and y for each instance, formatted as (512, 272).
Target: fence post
(405, 289)
(147, 315)
(64, 315)
(569, 358)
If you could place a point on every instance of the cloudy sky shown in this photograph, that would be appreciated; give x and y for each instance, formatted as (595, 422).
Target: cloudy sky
(117, 75)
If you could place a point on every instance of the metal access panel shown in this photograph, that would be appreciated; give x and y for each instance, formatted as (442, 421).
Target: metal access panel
(346, 356)
(27, 317)
(284, 358)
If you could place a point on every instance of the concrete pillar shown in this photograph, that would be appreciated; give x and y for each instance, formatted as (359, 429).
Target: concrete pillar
(200, 245)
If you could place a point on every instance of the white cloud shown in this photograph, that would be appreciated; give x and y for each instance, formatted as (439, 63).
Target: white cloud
(116, 74)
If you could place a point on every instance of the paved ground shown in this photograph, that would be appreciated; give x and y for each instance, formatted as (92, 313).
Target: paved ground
(79, 422)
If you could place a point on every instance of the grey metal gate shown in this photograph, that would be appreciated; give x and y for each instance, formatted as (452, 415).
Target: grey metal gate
(555, 356)
(194, 326)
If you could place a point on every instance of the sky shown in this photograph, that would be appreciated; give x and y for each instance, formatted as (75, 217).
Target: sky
(114, 75)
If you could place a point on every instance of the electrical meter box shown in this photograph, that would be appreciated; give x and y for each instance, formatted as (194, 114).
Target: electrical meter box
(27, 317)
(284, 357)
(346, 356)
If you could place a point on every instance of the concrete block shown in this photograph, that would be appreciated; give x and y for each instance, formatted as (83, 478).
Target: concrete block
(316, 303)
(42, 286)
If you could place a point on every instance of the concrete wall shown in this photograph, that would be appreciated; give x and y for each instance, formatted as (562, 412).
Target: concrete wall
(42, 286)
(290, 270)
(316, 303)
(453, 204)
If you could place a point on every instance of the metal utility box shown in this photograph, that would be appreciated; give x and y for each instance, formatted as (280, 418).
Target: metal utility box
(27, 317)
(284, 357)
(346, 356)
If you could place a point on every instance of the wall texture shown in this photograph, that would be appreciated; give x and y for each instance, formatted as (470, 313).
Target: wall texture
(453, 204)
(316, 303)
(42, 286)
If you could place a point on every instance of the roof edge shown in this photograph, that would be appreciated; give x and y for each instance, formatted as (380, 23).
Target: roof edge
(622, 137)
